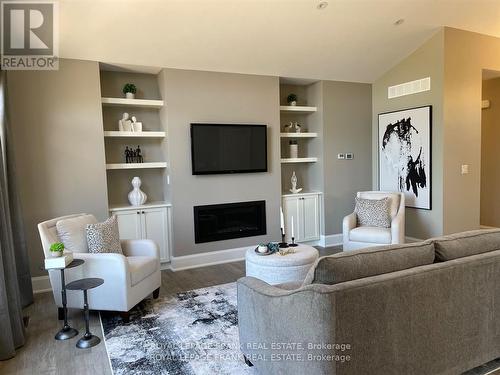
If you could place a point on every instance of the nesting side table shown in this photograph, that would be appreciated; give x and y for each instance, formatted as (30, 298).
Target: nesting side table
(88, 340)
(67, 332)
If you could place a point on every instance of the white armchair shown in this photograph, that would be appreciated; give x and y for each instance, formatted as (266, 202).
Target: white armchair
(128, 278)
(355, 237)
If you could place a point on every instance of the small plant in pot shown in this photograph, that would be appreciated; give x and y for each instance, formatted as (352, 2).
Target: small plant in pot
(291, 99)
(56, 249)
(129, 90)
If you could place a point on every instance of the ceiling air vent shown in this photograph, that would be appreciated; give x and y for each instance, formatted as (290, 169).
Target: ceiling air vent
(409, 88)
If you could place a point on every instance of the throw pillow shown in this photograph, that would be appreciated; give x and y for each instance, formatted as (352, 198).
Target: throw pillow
(72, 232)
(104, 237)
(373, 212)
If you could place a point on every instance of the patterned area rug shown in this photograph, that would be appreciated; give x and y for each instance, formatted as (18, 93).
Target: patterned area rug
(193, 333)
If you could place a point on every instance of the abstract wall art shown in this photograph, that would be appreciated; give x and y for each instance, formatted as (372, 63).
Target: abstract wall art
(404, 147)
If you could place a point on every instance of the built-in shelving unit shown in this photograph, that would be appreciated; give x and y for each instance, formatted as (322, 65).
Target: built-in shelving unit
(144, 134)
(298, 160)
(298, 135)
(298, 108)
(136, 165)
(132, 102)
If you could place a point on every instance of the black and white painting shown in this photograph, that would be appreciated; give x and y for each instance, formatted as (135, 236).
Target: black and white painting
(404, 144)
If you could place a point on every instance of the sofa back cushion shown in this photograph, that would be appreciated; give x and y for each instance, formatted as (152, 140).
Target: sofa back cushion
(464, 244)
(72, 232)
(357, 264)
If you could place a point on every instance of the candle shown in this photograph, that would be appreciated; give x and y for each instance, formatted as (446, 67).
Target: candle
(292, 228)
(282, 220)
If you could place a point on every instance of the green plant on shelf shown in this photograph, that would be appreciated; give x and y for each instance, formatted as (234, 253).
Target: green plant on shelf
(129, 87)
(291, 99)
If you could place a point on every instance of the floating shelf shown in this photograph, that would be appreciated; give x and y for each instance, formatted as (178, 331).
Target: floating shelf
(132, 102)
(297, 108)
(136, 165)
(298, 135)
(299, 160)
(145, 134)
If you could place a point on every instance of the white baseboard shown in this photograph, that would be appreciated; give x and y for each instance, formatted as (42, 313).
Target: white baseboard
(331, 240)
(41, 284)
(207, 259)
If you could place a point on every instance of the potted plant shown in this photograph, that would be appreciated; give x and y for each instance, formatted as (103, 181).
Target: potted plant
(291, 99)
(129, 90)
(56, 249)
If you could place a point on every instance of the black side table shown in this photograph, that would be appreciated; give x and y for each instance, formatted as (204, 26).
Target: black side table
(88, 340)
(67, 332)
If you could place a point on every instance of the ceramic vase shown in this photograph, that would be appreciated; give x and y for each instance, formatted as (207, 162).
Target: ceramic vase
(294, 150)
(137, 197)
(56, 254)
(130, 95)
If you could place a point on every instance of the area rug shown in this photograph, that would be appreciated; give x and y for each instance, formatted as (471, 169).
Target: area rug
(195, 332)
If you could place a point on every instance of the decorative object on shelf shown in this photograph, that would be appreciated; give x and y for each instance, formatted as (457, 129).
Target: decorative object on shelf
(136, 126)
(56, 249)
(404, 146)
(294, 149)
(297, 127)
(293, 244)
(137, 197)
(129, 90)
(125, 125)
(291, 99)
(262, 248)
(288, 127)
(133, 156)
(282, 244)
(294, 188)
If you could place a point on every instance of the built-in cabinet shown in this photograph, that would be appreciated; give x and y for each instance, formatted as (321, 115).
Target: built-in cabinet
(306, 212)
(151, 222)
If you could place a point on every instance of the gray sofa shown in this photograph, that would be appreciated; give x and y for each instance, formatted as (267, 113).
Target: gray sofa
(424, 308)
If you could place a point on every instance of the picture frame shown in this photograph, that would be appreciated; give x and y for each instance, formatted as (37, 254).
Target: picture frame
(405, 154)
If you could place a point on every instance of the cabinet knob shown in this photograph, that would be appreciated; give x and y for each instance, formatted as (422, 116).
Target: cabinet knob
(143, 212)
(138, 212)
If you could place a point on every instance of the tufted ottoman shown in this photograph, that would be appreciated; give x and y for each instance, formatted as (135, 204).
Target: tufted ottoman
(277, 269)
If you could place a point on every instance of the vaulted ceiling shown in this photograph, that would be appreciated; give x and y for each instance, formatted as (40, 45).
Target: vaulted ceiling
(349, 40)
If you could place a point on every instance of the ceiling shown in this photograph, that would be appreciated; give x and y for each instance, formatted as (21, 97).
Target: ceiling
(350, 40)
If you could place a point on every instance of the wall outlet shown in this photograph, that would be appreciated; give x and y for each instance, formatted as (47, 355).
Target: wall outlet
(349, 156)
(341, 156)
(465, 168)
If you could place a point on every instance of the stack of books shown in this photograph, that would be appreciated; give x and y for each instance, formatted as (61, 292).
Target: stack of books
(59, 262)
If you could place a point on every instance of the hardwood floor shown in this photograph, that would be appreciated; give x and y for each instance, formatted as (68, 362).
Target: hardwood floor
(43, 355)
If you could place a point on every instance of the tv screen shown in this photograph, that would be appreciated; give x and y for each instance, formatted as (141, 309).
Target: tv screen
(228, 148)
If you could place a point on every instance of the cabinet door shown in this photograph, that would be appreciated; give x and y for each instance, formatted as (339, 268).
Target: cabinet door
(129, 224)
(310, 218)
(291, 209)
(155, 227)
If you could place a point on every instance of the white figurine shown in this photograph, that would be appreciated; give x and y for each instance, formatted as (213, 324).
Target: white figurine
(294, 189)
(288, 127)
(297, 127)
(136, 126)
(125, 125)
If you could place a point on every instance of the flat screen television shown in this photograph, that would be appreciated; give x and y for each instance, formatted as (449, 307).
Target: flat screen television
(228, 148)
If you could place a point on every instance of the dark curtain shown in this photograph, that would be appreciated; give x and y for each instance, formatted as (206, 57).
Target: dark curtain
(15, 280)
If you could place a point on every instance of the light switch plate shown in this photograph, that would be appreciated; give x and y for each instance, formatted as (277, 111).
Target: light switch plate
(349, 156)
(465, 168)
(341, 156)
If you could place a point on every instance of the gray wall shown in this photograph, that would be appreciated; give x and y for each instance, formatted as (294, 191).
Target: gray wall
(427, 61)
(490, 157)
(56, 122)
(347, 128)
(194, 96)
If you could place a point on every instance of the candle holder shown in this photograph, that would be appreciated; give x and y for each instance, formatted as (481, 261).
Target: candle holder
(293, 244)
(282, 244)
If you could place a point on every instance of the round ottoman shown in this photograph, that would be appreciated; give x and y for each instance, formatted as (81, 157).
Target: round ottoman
(278, 269)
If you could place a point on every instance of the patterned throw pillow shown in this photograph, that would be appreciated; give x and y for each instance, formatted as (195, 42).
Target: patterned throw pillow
(373, 212)
(104, 237)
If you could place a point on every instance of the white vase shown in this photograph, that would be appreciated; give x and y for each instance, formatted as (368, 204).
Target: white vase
(293, 104)
(294, 151)
(137, 197)
(56, 254)
(130, 95)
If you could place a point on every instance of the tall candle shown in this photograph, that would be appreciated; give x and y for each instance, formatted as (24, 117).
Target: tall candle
(282, 220)
(292, 228)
